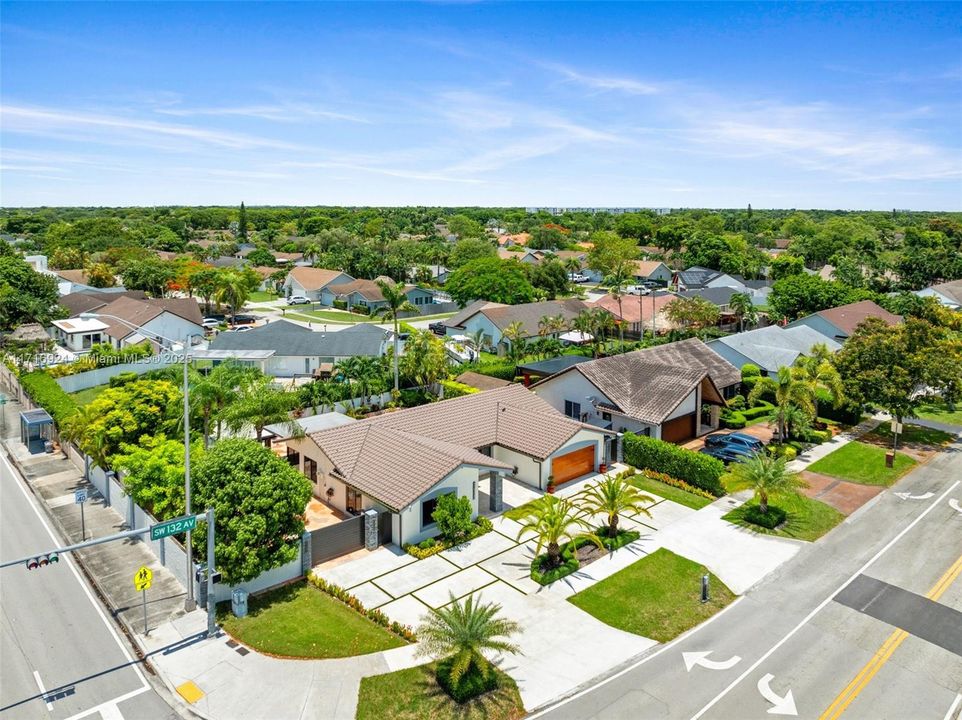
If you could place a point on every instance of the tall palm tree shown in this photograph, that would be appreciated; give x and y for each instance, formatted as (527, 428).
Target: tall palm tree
(552, 521)
(211, 393)
(572, 265)
(260, 404)
(462, 630)
(515, 336)
(743, 308)
(232, 290)
(368, 376)
(612, 497)
(766, 476)
(790, 388)
(819, 372)
(616, 282)
(397, 303)
(321, 394)
(476, 338)
(311, 252)
(586, 323)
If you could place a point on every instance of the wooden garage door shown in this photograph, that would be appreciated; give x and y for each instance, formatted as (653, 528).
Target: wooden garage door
(679, 430)
(574, 464)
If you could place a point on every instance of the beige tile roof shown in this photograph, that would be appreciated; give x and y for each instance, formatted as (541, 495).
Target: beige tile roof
(481, 382)
(634, 307)
(529, 314)
(644, 268)
(139, 312)
(469, 312)
(951, 290)
(847, 317)
(396, 456)
(311, 278)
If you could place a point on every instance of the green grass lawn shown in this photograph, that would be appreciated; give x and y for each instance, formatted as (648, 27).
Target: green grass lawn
(341, 316)
(940, 413)
(261, 296)
(862, 463)
(658, 597)
(519, 512)
(414, 694)
(668, 492)
(85, 397)
(808, 519)
(911, 434)
(301, 621)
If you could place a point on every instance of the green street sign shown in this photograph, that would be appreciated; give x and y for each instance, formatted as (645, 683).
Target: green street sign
(173, 527)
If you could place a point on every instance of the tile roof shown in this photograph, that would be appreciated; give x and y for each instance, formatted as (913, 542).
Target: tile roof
(951, 290)
(77, 277)
(81, 302)
(311, 278)
(634, 308)
(139, 312)
(397, 456)
(289, 339)
(847, 317)
(529, 314)
(481, 382)
(773, 347)
(644, 268)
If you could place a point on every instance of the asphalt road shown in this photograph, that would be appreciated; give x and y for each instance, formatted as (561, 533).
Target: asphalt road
(60, 655)
(864, 624)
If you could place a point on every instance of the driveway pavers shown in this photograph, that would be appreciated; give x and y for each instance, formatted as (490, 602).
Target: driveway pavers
(407, 610)
(370, 595)
(481, 548)
(460, 584)
(416, 575)
(844, 496)
(664, 513)
(360, 570)
(514, 567)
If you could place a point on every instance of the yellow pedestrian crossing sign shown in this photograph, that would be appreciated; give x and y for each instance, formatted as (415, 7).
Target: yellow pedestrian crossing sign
(143, 578)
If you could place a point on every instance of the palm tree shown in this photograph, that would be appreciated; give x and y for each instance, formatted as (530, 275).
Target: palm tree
(211, 393)
(476, 338)
(368, 376)
(232, 290)
(819, 372)
(766, 476)
(793, 419)
(789, 388)
(461, 630)
(515, 336)
(572, 265)
(397, 302)
(260, 404)
(743, 308)
(616, 282)
(612, 497)
(348, 370)
(311, 252)
(586, 323)
(320, 394)
(553, 520)
(81, 430)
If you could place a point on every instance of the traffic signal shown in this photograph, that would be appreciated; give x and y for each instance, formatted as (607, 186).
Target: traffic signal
(42, 560)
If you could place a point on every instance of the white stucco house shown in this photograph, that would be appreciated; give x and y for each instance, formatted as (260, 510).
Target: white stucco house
(493, 318)
(310, 281)
(130, 321)
(948, 294)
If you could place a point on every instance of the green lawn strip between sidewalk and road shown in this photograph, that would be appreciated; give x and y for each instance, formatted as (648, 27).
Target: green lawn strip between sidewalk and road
(301, 621)
(657, 597)
(938, 412)
(911, 435)
(414, 694)
(85, 397)
(656, 487)
(863, 464)
(808, 519)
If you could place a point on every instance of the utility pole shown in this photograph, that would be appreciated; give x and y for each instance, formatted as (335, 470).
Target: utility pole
(190, 603)
(211, 605)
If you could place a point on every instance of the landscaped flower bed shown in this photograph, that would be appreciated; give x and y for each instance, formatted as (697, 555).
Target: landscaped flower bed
(578, 553)
(432, 546)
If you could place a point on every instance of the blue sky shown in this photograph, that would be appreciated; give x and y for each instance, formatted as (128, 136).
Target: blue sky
(574, 104)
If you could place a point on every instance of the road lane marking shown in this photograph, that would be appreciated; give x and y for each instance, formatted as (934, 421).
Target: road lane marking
(76, 573)
(954, 504)
(818, 608)
(953, 706)
(701, 658)
(105, 706)
(43, 690)
(891, 644)
(910, 496)
(781, 704)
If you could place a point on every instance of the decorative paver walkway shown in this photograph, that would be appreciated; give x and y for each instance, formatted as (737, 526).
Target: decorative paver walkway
(844, 496)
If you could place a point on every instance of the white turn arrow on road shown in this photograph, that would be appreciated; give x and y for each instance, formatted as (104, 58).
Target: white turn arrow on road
(701, 658)
(910, 496)
(781, 705)
(954, 504)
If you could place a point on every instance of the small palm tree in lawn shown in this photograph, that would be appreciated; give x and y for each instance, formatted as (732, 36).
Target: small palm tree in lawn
(514, 334)
(766, 476)
(476, 338)
(790, 387)
(397, 302)
(232, 290)
(614, 496)
(554, 520)
(462, 631)
(818, 371)
(743, 308)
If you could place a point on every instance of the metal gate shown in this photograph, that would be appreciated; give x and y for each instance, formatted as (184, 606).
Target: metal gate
(335, 540)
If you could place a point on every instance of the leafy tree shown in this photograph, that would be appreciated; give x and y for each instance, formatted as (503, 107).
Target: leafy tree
(26, 295)
(149, 273)
(693, 313)
(785, 265)
(551, 277)
(397, 303)
(204, 282)
(796, 296)
(467, 250)
(453, 517)
(765, 475)
(636, 226)
(261, 257)
(611, 253)
(100, 275)
(554, 520)
(153, 474)
(68, 258)
(258, 501)
(461, 630)
(547, 237)
(464, 227)
(614, 496)
(490, 279)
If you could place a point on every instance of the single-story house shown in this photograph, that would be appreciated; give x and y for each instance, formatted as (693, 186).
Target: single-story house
(696, 278)
(130, 321)
(541, 369)
(582, 257)
(658, 391)
(285, 349)
(481, 382)
(720, 297)
(840, 322)
(947, 293)
(653, 270)
(91, 300)
(402, 462)
(311, 282)
(637, 310)
(72, 281)
(770, 347)
(493, 318)
(78, 335)
(367, 293)
(508, 240)
(526, 256)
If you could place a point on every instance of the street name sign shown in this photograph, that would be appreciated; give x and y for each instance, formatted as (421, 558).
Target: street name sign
(143, 578)
(173, 527)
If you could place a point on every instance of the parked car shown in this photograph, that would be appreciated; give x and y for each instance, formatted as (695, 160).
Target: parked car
(438, 328)
(637, 290)
(737, 439)
(244, 319)
(651, 284)
(727, 453)
(579, 278)
(243, 328)
(298, 300)
(210, 322)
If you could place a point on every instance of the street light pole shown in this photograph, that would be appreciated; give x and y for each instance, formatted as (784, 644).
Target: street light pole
(190, 603)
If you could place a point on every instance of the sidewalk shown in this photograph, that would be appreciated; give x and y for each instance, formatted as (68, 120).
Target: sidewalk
(817, 452)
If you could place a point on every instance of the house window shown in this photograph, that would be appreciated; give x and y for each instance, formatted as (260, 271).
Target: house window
(310, 469)
(427, 510)
(293, 457)
(354, 504)
(86, 342)
(606, 416)
(573, 409)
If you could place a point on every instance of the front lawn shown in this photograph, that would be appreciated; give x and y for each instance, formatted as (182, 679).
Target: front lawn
(663, 490)
(862, 463)
(517, 513)
(658, 597)
(261, 296)
(808, 519)
(414, 694)
(301, 621)
(938, 412)
(910, 435)
(85, 397)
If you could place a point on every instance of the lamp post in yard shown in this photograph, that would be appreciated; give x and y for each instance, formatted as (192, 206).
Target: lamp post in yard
(190, 603)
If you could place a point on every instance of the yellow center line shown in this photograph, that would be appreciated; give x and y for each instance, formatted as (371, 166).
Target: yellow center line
(891, 644)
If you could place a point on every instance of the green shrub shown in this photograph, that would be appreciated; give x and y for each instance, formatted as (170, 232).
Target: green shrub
(569, 563)
(502, 370)
(732, 420)
(432, 546)
(771, 519)
(751, 371)
(694, 468)
(340, 304)
(737, 402)
(376, 616)
(674, 482)
(122, 379)
(470, 685)
(453, 516)
(787, 450)
(45, 392)
(849, 413)
(753, 413)
(454, 389)
(816, 437)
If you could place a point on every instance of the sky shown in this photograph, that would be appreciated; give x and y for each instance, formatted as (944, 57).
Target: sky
(802, 105)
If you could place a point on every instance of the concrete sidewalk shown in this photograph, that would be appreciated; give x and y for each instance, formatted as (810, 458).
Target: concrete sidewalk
(817, 452)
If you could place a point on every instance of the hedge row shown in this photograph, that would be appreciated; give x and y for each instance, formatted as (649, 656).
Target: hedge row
(375, 616)
(454, 389)
(45, 392)
(694, 468)
(503, 371)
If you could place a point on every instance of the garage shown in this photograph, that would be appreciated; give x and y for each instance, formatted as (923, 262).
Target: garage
(574, 464)
(680, 429)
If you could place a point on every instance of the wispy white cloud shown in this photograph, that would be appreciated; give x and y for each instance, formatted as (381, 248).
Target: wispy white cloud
(378, 170)
(605, 83)
(290, 113)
